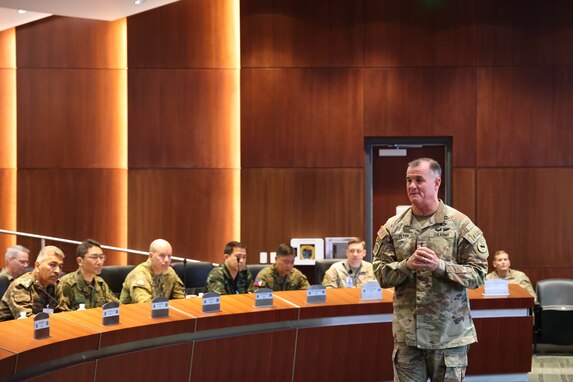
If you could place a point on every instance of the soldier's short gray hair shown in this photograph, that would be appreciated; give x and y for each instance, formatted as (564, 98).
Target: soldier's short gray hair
(434, 165)
(50, 250)
(12, 252)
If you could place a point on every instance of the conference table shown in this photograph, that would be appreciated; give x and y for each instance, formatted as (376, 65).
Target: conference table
(341, 339)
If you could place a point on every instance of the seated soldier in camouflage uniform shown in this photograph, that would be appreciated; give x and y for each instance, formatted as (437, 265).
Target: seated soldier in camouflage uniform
(282, 275)
(36, 290)
(84, 286)
(15, 263)
(153, 278)
(352, 272)
(231, 277)
(501, 266)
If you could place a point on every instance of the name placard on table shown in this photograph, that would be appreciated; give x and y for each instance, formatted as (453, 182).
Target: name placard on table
(41, 325)
(316, 294)
(371, 291)
(160, 307)
(110, 313)
(496, 287)
(264, 298)
(211, 302)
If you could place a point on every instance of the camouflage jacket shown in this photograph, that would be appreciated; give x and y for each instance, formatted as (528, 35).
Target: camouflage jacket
(76, 291)
(141, 285)
(220, 281)
(269, 277)
(514, 277)
(26, 295)
(432, 309)
(337, 275)
(8, 276)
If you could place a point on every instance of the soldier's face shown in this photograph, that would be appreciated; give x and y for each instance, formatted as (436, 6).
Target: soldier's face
(160, 259)
(237, 260)
(18, 264)
(354, 254)
(285, 264)
(93, 261)
(421, 184)
(49, 269)
(501, 262)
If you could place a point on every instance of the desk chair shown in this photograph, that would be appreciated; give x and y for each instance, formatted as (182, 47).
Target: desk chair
(553, 312)
(194, 275)
(114, 276)
(321, 266)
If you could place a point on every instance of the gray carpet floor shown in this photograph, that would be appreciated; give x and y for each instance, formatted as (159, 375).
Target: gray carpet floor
(552, 365)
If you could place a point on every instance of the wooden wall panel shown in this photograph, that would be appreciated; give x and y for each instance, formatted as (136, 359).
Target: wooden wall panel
(423, 102)
(419, 33)
(7, 208)
(526, 212)
(524, 116)
(183, 118)
(185, 34)
(298, 33)
(275, 363)
(8, 48)
(7, 117)
(71, 118)
(534, 32)
(301, 118)
(464, 192)
(74, 204)
(81, 372)
(195, 210)
(280, 204)
(173, 364)
(68, 42)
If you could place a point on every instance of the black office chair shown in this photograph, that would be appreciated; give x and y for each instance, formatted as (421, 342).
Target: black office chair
(4, 283)
(255, 269)
(194, 275)
(553, 312)
(321, 266)
(114, 276)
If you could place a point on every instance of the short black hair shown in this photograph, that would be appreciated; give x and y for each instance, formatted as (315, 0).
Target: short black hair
(232, 245)
(285, 250)
(85, 246)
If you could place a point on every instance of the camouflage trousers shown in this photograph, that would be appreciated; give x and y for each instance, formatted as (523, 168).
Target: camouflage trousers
(412, 364)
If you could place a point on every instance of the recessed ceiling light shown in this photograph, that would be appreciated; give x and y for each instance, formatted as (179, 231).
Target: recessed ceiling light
(138, 2)
(22, 11)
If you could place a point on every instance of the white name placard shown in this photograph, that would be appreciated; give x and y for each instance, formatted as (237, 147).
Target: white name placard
(496, 287)
(371, 291)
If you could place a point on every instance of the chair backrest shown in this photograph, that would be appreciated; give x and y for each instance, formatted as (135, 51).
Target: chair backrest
(255, 268)
(114, 276)
(554, 292)
(321, 266)
(4, 283)
(193, 274)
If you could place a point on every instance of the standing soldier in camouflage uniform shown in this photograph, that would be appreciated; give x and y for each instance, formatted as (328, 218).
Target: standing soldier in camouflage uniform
(153, 278)
(231, 277)
(282, 275)
(352, 272)
(84, 286)
(431, 254)
(16, 261)
(501, 265)
(36, 291)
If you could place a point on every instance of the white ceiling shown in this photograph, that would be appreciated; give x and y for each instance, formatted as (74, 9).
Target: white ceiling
(88, 9)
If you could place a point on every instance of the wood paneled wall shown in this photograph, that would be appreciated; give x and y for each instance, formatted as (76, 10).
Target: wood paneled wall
(496, 77)
(71, 179)
(267, 143)
(183, 137)
(7, 136)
